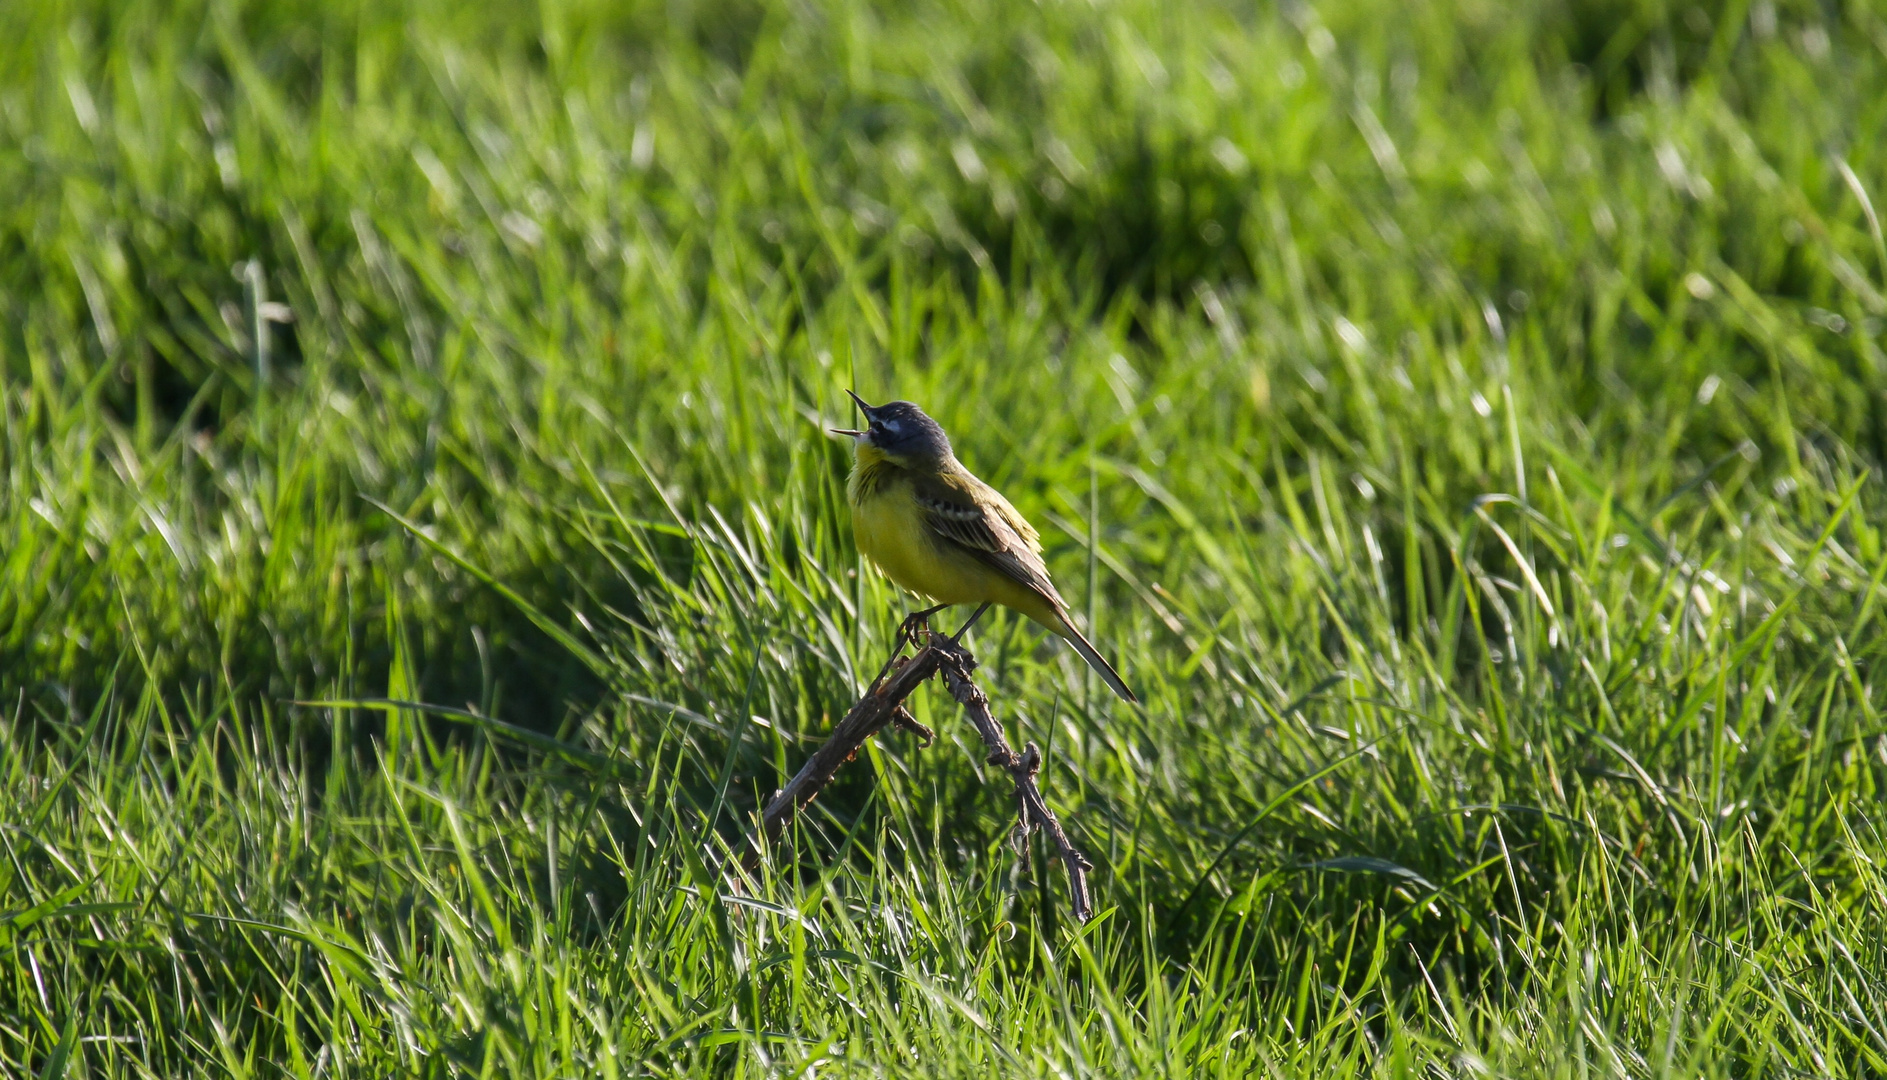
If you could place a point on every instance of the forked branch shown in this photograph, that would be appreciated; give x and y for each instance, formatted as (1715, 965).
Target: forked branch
(882, 705)
(1032, 810)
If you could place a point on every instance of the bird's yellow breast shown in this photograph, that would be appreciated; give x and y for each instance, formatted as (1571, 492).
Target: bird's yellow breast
(890, 530)
(891, 533)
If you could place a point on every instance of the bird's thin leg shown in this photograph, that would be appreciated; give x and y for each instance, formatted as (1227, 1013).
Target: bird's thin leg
(907, 632)
(915, 621)
(977, 614)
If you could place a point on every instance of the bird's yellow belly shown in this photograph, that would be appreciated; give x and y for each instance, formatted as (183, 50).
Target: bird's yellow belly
(891, 533)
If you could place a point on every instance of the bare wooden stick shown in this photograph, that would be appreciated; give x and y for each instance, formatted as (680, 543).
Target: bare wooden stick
(883, 705)
(1032, 810)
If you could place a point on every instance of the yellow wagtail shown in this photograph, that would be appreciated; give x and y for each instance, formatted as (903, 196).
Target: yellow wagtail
(937, 530)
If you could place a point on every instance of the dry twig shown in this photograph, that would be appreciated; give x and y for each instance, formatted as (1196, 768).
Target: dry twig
(883, 705)
(1032, 810)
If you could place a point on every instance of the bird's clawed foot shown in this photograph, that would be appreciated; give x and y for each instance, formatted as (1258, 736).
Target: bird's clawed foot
(914, 624)
(911, 631)
(915, 631)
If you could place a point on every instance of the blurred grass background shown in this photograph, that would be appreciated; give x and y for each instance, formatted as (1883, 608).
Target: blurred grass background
(1463, 421)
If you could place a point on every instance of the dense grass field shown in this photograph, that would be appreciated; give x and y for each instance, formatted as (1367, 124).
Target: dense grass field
(1463, 420)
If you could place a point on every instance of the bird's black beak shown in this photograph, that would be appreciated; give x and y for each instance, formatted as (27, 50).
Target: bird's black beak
(862, 407)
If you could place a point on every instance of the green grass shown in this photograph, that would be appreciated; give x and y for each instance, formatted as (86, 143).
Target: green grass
(1464, 422)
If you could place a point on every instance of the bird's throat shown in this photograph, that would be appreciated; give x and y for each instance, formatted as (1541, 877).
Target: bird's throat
(872, 471)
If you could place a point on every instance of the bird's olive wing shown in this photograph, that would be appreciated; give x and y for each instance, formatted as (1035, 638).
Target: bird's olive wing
(956, 515)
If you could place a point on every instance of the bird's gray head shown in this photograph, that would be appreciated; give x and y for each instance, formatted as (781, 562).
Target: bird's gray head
(900, 431)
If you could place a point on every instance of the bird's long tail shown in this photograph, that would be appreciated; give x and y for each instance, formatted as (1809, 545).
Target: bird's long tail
(1100, 665)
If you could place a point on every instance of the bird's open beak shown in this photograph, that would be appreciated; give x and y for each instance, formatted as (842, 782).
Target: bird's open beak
(862, 407)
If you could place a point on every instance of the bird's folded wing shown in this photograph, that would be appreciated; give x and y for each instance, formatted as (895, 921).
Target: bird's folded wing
(954, 513)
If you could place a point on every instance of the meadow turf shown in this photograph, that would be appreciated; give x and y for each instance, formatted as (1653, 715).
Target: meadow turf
(1463, 421)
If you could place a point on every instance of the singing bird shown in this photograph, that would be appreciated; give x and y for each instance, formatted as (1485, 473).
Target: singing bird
(937, 530)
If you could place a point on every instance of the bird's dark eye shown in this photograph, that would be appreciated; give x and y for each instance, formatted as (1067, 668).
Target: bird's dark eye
(877, 431)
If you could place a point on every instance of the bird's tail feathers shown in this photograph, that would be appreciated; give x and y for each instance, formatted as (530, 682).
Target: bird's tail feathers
(1095, 660)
